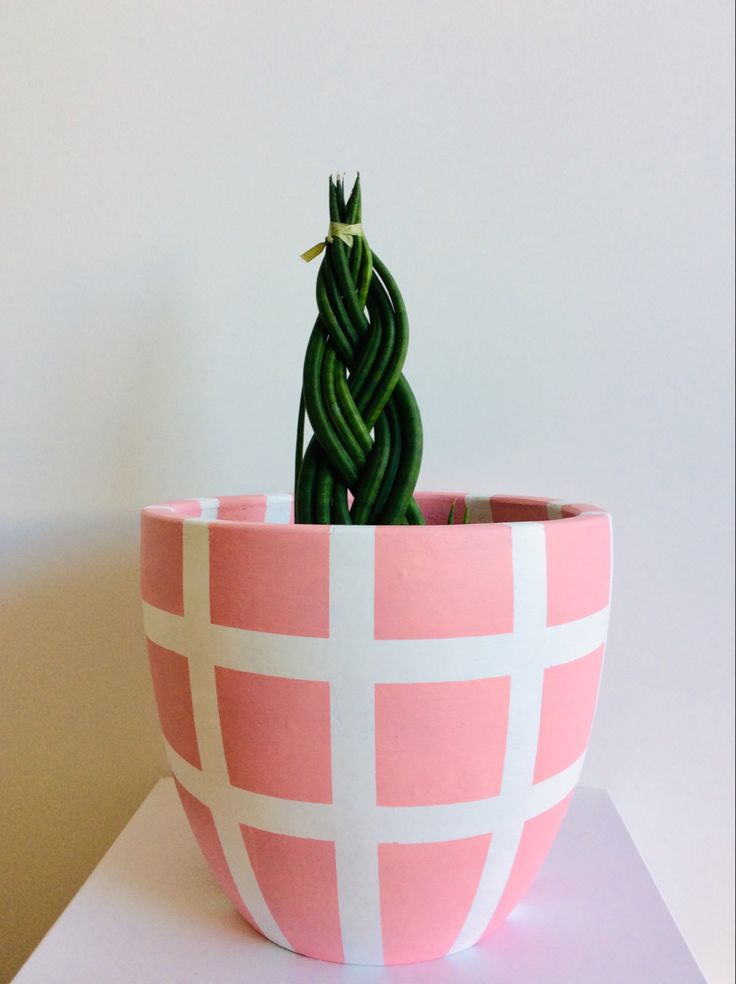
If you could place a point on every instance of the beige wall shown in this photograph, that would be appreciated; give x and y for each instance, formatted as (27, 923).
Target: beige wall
(78, 733)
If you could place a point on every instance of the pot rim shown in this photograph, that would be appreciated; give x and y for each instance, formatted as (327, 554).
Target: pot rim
(556, 510)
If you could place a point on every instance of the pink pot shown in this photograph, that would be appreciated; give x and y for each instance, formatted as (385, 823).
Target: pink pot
(376, 731)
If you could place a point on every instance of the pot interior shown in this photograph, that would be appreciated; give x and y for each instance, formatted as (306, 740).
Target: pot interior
(436, 507)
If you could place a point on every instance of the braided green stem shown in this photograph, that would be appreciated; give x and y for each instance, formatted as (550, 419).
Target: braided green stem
(367, 428)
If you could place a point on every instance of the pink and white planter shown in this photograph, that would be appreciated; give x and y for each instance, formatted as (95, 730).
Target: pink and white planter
(376, 731)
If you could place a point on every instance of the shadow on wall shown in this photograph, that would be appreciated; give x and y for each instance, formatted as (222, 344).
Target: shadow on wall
(100, 429)
(78, 729)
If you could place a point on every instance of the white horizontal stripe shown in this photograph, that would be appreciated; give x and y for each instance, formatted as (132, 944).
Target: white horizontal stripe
(165, 629)
(418, 824)
(279, 816)
(385, 661)
(383, 824)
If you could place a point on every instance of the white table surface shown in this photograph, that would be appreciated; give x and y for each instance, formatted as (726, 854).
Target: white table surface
(151, 913)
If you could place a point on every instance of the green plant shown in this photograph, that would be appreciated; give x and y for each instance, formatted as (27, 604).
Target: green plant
(451, 514)
(367, 437)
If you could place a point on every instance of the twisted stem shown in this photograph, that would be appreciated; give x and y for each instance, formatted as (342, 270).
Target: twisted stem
(367, 428)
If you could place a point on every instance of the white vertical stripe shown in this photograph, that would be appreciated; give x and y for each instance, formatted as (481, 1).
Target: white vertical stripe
(554, 508)
(527, 678)
(209, 508)
(352, 721)
(196, 635)
(479, 508)
(278, 508)
(207, 718)
(530, 621)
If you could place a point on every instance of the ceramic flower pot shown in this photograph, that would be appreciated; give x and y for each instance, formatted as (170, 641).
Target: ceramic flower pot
(376, 731)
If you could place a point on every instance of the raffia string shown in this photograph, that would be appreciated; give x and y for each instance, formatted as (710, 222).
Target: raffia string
(338, 230)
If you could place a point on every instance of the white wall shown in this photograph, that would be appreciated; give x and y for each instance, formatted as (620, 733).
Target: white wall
(551, 184)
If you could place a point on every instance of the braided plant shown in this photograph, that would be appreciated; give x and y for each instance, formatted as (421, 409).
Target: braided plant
(367, 431)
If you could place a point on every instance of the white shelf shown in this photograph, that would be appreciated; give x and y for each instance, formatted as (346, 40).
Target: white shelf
(150, 913)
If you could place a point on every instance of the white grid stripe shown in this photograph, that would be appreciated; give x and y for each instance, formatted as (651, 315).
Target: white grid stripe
(295, 818)
(382, 824)
(479, 508)
(525, 703)
(278, 509)
(208, 508)
(207, 718)
(352, 723)
(354, 821)
(381, 660)
(554, 508)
